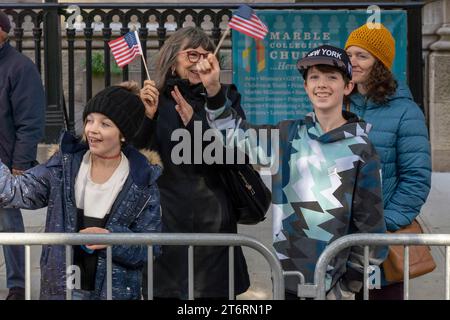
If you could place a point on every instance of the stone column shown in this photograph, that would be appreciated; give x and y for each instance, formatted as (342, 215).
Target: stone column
(439, 91)
(432, 21)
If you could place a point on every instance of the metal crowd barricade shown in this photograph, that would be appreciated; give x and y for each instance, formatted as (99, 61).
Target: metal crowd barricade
(177, 239)
(317, 290)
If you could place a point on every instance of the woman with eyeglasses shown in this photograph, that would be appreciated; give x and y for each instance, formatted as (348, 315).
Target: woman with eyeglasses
(193, 199)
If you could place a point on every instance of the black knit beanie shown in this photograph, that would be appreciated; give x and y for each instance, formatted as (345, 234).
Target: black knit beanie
(123, 107)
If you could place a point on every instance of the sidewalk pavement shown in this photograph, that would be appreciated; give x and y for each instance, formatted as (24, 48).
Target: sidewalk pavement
(435, 218)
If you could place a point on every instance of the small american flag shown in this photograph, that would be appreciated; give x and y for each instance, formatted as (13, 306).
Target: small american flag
(245, 20)
(126, 48)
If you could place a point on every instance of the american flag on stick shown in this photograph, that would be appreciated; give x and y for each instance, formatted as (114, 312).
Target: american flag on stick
(126, 48)
(246, 21)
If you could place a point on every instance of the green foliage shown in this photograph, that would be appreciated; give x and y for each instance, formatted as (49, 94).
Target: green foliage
(98, 64)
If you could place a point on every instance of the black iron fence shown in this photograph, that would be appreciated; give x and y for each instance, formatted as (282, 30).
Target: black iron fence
(54, 32)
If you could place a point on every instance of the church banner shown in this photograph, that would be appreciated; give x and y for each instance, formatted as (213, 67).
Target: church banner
(265, 70)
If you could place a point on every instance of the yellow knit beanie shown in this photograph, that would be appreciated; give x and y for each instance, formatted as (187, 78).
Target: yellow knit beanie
(378, 41)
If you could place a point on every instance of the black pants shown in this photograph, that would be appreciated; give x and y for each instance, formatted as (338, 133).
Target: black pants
(145, 290)
(390, 292)
(290, 296)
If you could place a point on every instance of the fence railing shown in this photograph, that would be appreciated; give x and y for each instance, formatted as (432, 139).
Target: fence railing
(173, 239)
(154, 22)
(318, 289)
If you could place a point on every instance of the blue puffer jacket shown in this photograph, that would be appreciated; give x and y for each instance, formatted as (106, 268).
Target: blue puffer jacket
(136, 209)
(400, 137)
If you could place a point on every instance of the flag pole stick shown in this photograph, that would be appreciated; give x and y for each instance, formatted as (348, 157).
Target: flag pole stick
(225, 33)
(142, 54)
(145, 65)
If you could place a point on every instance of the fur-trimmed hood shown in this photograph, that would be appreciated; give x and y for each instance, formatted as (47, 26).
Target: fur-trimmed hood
(145, 165)
(152, 156)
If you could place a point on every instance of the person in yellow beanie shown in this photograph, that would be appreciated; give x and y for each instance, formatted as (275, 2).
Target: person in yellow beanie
(398, 132)
(377, 40)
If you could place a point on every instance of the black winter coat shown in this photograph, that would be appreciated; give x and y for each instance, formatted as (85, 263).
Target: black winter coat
(193, 200)
(22, 109)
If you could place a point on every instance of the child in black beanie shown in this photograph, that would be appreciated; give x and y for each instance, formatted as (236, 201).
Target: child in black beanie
(99, 184)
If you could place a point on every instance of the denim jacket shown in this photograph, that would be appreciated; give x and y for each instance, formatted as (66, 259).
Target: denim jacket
(135, 210)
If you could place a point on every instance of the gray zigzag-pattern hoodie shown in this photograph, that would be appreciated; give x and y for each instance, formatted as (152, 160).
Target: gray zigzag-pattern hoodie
(324, 186)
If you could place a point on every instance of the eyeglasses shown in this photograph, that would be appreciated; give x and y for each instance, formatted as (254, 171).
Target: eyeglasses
(194, 56)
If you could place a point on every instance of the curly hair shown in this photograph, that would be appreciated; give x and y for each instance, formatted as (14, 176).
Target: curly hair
(381, 83)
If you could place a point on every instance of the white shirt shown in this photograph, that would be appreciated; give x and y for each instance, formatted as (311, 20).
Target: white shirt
(97, 199)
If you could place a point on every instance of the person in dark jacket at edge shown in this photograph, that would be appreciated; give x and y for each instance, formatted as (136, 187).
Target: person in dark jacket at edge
(193, 199)
(22, 120)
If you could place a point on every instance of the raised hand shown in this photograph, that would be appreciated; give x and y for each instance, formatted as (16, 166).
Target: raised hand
(183, 108)
(209, 72)
(150, 96)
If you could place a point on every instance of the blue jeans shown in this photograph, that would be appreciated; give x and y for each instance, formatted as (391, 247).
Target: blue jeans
(11, 221)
